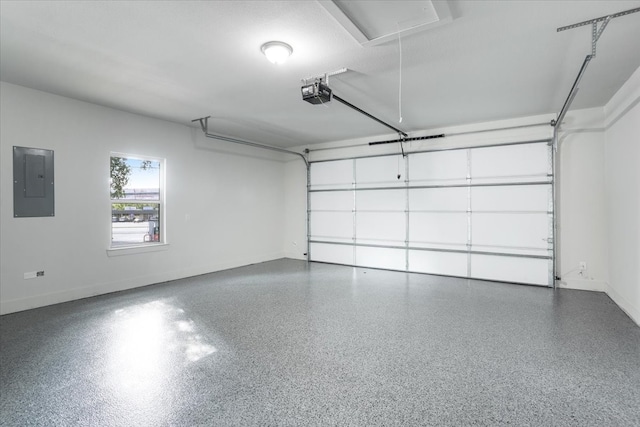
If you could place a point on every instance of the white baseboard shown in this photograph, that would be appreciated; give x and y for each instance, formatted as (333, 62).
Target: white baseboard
(295, 255)
(583, 285)
(21, 304)
(632, 311)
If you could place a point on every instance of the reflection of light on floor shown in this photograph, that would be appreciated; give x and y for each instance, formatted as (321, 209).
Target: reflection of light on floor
(137, 351)
(196, 349)
(148, 340)
(184, 325)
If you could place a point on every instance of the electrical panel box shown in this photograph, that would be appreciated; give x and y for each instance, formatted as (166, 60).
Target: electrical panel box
(33, 184)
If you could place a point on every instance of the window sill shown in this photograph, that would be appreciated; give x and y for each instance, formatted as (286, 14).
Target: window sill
(131, 250)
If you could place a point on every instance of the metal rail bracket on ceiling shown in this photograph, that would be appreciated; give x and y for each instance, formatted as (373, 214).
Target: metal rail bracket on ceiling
(596, 32)
(204, 125)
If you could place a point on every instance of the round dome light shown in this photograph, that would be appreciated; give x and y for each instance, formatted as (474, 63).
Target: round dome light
(276, 52)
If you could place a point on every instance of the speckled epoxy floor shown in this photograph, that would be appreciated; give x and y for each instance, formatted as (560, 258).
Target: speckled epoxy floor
(287, 343)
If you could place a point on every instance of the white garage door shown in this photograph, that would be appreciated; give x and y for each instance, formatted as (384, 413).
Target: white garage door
(482, 212)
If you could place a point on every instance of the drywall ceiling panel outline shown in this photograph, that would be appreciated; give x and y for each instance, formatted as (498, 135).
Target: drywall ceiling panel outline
(373, 23)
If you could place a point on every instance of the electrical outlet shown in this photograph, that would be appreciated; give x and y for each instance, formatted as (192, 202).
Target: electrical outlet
(33, 274)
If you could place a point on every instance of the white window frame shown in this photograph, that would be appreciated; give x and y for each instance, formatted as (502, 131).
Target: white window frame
(143, 246)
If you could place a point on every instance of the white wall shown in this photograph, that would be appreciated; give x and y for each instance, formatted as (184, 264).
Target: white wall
(622, 172)
(581, 195)
(224, 202)
(295, 219)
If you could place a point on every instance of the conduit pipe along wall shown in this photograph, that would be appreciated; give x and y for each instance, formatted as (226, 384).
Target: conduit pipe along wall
(595, 36)
(204, 125)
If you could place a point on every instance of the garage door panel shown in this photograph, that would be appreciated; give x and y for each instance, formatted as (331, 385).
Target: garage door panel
(337, 225)
(392, 259)
(336, 254)
(334, 174)
(510, 230)
(481, 212)
(438, 168)
(526, 162)
(438, 199)
(381, 227)
(437, 228)
(510, 250)
(331, 200)
(511, 198)
(443, 263)
(379, 171)
(510, 269)
(390, 200)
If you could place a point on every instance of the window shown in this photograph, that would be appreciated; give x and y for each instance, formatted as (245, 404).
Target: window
(137, 201)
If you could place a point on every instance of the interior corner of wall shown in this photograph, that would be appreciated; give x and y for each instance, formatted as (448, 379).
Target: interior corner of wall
(623, 100)
(583, 285)
(587, 118)
(632, 310)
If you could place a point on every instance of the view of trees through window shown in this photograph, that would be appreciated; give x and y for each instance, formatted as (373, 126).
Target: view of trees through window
(135, 201)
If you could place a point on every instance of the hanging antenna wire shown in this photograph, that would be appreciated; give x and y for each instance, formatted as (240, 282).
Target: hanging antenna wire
(402, 152)
(399, 75)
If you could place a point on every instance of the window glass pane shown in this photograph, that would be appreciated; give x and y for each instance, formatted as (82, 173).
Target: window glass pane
(135, 223)
(135, 201)
(135, 179)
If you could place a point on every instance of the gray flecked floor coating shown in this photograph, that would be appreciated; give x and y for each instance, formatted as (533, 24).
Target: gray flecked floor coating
(291, 343)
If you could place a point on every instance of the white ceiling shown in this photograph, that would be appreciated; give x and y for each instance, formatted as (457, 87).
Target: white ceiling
(183, 60)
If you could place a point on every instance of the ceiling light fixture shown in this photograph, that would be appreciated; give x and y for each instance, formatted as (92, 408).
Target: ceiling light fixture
(276, 52)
